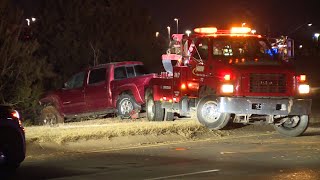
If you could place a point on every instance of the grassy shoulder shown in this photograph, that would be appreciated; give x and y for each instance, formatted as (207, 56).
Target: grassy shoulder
(114, 128)
(108, 129)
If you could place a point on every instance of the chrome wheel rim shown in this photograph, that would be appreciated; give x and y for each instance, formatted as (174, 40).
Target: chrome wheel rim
(292, 122)
(50, 119)
(126, 106)
(150, 108)
(210, 112)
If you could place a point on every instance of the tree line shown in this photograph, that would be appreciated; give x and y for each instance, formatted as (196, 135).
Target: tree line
(67, 37)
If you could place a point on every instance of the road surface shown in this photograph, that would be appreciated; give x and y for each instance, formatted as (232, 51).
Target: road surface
(258, 154)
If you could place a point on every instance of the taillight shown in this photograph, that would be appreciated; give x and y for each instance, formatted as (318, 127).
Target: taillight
(303, 87)
(193, 85)
(302, 78)
(227, 77)
(15, 114)
(183, 86)
(190, 86)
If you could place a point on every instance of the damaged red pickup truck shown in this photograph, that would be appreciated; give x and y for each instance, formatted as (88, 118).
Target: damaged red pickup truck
(98, 91)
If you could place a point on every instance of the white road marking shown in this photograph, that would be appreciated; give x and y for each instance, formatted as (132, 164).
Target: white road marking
(186, 174)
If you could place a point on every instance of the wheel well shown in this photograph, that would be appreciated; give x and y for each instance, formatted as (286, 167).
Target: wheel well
(128, 92)
(147, 92)
(205, 91)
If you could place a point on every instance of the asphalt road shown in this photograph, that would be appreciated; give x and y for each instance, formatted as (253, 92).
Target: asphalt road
(258, 154)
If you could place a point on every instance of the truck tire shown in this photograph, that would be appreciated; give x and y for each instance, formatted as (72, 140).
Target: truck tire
(154, 110)
(10, 150)
(294, 126)
(170, 116)
(50, 116)
(208, 114)
(126, 106)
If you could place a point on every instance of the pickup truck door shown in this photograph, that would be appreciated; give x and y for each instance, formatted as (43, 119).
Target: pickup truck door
(72, 96)
(97, 95)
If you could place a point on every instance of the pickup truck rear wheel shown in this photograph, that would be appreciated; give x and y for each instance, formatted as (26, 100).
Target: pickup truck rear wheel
(208, 114)
(50, 116)
(293, 126)
(126, 106)
(154, 110)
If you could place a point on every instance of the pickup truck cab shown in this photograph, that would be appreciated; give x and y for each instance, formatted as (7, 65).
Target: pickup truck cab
(98, 91)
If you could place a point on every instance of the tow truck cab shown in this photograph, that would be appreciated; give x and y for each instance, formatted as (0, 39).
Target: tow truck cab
(235, 76)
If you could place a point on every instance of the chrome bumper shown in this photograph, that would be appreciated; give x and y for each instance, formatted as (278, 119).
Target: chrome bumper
(267, 106)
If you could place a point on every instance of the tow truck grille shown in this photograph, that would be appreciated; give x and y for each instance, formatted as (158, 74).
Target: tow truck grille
(267, 83)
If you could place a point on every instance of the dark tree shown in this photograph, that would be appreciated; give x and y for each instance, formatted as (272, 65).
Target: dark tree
(78, 33)
(21, 73)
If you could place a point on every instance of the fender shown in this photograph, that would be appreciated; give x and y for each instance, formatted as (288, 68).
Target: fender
(131, 87)
(52, 100)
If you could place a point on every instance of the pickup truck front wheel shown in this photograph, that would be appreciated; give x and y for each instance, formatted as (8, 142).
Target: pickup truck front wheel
(126, 106)
(50, 116)
(293, 126)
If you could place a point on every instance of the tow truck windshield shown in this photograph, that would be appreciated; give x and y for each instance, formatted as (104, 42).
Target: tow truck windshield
(240, 50)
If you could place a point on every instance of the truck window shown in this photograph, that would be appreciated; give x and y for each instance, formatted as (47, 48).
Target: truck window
(201, 49)
(130, 71)
(76, 81)
(248, 50)
(240, 47)
(97, 76)
(140, 70)
(120, 73)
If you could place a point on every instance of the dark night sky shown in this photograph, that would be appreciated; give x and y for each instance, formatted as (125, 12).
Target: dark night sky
(280, 16)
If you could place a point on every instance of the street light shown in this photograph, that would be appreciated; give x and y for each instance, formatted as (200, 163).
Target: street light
(169, 34)
(33, 19)
(316, 36)
(188, 32)
(28, 22)
(297, 28)
(177, 20)
(157, 34)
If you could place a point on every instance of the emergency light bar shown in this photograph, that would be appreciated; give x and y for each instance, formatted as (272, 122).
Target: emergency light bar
(240, 30)
(206, 30)
(213, 30)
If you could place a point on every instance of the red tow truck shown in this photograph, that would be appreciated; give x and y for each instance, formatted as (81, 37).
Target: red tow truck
(230, 76)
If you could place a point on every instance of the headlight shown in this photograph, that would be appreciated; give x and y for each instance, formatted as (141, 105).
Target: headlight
(227, 88)
(304, 89)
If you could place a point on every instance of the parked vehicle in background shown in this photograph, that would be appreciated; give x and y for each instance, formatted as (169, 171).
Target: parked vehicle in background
(98, 91)
(230, 76)
(12, 139)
